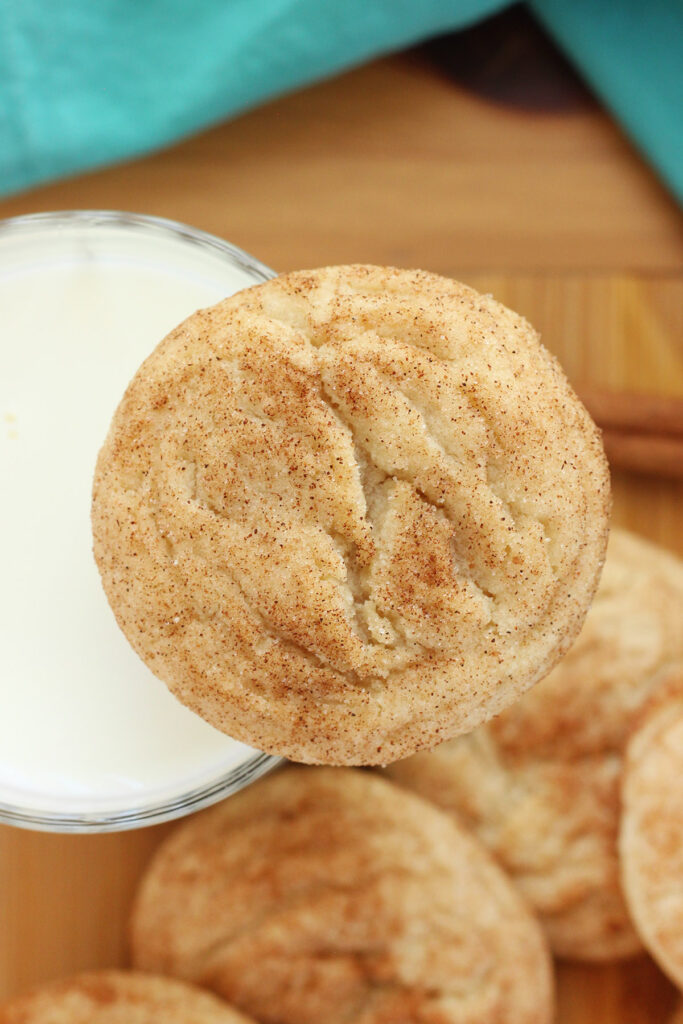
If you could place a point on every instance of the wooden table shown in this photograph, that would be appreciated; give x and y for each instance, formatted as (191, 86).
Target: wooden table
(556, 215)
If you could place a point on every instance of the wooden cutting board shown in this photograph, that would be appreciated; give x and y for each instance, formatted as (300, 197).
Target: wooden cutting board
(555, 216)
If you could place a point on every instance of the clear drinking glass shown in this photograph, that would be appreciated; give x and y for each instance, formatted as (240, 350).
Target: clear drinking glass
(89, 739)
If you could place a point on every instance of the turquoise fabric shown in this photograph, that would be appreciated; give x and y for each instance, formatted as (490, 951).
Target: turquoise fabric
(90, 82)
(631, 52)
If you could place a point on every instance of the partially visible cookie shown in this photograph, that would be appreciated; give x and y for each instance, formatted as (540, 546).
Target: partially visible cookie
(332, 895)
(540, 784)
(118, 997)
(651, 837)
(350, 512)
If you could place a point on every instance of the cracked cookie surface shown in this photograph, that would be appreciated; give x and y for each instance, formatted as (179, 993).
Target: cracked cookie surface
(118, 997)
(350, 512)
(323, 894)
(651, 835)
(540, 784)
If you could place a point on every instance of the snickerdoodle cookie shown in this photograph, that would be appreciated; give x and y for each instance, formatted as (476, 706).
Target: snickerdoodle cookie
(651, 836)
(540, 784)
(119, 997)
(323, 894)
(350, 512)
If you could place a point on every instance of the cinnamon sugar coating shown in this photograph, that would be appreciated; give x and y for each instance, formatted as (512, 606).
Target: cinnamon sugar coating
(119, 997)
(350, 512)
(328, 894)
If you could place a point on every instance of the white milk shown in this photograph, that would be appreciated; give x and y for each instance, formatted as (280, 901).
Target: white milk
(85, 728)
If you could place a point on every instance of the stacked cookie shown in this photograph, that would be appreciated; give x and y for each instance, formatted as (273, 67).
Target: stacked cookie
(540, 784)
(329, 894)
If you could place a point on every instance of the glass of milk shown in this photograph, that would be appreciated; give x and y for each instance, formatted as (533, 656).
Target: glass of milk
(90, 740)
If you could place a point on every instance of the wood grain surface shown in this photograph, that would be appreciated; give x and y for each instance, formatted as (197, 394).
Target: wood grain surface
(556, 216)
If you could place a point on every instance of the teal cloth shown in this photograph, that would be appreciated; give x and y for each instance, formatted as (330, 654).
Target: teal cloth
(89, 82)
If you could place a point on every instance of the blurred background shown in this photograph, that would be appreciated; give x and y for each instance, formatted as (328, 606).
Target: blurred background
(534, 154)
(471, 150)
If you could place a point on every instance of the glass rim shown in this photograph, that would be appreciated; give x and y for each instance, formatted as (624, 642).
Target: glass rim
(153, 813)
(253, 767)
(158, 225)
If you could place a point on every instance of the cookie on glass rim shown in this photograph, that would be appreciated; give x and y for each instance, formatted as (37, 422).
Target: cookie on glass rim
(350, 512)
